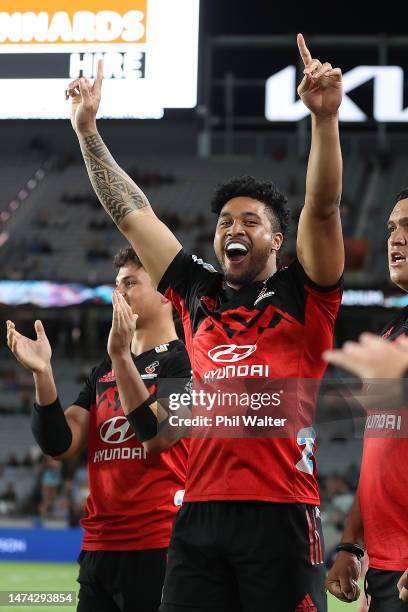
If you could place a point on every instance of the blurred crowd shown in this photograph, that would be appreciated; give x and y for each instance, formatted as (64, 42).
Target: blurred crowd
(56, 490)
(16, 390)
(40, 487)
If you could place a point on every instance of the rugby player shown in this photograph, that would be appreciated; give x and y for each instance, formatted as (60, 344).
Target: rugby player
(134, 492)
(248, 536)
(378, 518)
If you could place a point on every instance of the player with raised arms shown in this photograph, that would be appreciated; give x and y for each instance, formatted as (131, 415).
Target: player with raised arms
(248, 536)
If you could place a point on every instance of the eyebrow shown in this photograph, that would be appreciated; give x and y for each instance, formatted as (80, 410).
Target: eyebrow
(401, 220)
(244, 214)
(125, 278)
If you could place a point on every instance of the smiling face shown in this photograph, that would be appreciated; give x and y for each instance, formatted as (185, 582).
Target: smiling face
(245, 243)
(398, 244)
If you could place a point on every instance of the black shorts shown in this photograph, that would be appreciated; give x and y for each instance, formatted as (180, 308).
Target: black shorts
(121, 581)
(382, 586)
(245, 556)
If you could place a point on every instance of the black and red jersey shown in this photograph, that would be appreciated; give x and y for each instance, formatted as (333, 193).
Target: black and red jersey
(276, 329)
(383, 486)
(133, 495)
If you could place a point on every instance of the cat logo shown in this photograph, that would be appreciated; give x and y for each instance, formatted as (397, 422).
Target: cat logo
(162, 348)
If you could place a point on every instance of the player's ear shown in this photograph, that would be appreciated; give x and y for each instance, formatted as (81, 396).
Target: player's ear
(277, 240)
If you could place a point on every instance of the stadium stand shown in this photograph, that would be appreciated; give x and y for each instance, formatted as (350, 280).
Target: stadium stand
(72, 239)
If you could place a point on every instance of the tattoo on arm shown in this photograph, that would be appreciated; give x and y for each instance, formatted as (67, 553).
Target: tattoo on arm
(118, 194)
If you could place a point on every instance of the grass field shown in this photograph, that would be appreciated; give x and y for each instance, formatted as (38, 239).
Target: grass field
(38, 577)
(62, 577)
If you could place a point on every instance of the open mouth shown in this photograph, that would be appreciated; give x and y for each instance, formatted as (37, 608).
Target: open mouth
(236, 251)
(397, 258)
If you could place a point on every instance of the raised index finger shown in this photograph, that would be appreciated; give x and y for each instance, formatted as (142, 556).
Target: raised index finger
(303, 50)
(99, 76)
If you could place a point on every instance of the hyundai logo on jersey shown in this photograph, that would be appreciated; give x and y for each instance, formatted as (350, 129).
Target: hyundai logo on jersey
(230, 353)
(116, 430)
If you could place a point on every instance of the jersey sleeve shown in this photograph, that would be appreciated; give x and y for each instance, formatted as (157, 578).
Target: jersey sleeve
(321, 305)
(87, 395)
(302, 278)
(185, 277)
(324, 300)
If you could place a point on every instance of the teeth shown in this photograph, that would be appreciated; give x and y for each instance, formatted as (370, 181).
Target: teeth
(236, 246)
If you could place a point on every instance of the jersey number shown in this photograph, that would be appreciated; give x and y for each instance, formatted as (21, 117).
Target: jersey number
(306, 437)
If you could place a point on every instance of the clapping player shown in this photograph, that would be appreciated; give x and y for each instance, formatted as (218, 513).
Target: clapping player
(134, 492)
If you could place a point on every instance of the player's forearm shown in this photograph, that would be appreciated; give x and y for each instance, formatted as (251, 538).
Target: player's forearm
(133, 396)
(45, 389)
(132, 390)
(324, 172)
(353, 531)
(48, 423)
(118, 194)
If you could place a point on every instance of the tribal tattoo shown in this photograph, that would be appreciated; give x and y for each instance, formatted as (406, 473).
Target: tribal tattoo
(118, 194)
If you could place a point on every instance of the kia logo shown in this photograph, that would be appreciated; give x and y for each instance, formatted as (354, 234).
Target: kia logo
(230, 353)
(281, 103)
(116, 430)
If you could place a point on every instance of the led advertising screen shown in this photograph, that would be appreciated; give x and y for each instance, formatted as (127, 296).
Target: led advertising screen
(149, 49)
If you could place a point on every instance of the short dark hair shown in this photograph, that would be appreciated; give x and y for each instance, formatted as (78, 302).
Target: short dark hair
(264, 191)
(402, 195)
(124, 256)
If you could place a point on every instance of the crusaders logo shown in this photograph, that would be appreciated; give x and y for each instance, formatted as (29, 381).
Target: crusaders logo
(152, 367)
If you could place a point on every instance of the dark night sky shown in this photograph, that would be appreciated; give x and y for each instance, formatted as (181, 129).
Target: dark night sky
(283, 16)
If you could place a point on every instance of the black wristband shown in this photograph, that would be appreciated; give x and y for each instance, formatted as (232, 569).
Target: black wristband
(50, 428)
(355, 549)
(143, 421)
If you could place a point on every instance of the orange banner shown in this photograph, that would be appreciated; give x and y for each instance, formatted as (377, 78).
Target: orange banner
(76, 21)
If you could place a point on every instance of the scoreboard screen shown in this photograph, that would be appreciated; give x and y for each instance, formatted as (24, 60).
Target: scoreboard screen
(149, 50)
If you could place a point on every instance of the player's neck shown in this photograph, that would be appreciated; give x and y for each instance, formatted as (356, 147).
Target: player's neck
(268, 271)
(262, 277)
(145, 339)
